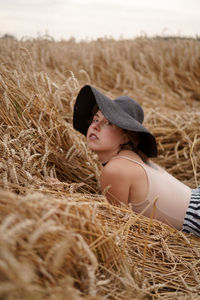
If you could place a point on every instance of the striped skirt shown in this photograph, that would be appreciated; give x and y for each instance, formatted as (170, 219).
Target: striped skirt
(191, 222)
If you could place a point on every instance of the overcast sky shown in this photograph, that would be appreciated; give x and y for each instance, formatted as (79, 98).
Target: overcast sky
(89, 19)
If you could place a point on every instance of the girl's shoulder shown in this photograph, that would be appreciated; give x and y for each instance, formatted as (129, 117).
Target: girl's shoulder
(122, 164)
(118, 177)
(114, 166)
(126, 157)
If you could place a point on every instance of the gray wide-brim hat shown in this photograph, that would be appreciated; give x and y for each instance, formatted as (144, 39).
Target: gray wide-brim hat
(123, 112)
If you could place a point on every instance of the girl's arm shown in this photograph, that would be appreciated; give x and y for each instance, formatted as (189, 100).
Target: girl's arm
(115, 184)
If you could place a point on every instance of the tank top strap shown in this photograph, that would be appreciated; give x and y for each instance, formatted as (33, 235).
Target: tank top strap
(133, 160)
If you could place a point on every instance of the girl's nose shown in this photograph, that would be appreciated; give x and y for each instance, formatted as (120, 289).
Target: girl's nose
(96, 126)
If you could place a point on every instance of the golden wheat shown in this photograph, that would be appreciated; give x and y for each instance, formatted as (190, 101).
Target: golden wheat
(63, 240)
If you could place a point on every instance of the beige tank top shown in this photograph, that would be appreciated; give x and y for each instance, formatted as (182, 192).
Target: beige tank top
(173, 196)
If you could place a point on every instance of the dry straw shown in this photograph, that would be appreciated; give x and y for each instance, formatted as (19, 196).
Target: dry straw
(64, 240)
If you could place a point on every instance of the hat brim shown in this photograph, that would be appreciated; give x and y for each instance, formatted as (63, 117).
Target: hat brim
(83, 113)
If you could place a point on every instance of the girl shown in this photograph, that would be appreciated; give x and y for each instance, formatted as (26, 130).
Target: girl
(115, 133)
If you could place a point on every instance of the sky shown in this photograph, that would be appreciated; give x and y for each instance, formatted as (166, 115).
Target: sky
(91, 19)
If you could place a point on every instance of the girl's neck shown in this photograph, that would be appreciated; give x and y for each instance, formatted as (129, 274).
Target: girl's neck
(105, 157)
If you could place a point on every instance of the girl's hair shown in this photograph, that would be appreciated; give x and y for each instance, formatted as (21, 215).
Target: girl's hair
(94, 111)
(133, 144)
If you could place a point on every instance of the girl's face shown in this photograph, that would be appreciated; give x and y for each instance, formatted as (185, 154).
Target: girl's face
(105, 138)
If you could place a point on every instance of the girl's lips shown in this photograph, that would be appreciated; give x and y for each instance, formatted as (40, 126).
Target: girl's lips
(93, 137)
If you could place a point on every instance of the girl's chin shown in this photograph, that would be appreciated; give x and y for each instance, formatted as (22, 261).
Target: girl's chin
(92, 144)
(93, 148)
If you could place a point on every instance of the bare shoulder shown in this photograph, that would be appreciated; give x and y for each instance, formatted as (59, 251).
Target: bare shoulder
(116, 181)
(115, 166)
(124, 169)
(120, 167)
(125, 180)
(114, 173)
(119, 162)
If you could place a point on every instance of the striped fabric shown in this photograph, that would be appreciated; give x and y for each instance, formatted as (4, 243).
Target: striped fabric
(191, 222)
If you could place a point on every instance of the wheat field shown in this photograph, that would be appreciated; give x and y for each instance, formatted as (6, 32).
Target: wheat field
(63, 240)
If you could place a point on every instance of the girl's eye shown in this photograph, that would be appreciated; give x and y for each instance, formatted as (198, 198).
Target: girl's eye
(94, 121)
(106, 123)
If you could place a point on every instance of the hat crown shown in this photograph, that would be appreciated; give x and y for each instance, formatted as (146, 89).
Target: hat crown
(131, 107)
